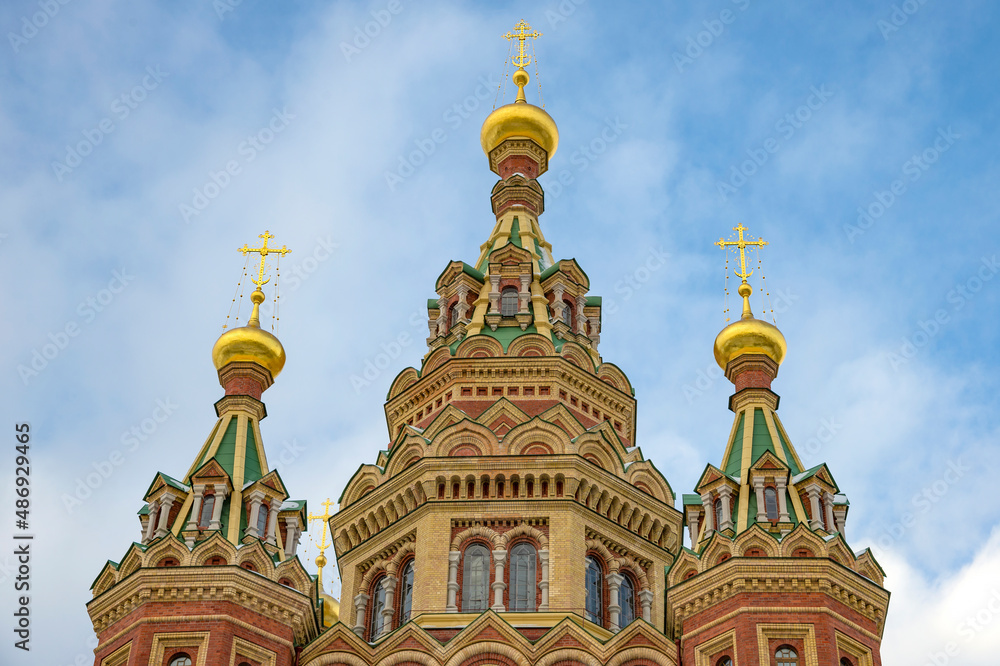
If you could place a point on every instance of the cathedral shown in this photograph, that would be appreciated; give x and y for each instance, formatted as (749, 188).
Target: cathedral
(511, 519)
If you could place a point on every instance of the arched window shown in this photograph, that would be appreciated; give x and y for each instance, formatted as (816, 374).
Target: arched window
(626, 601)
(844, 661)
(406, 594)
(168, 562)
(454, 314)
(207, 509)
(475, 579)
(216, 561)
(771, 503)
(718, 513)
(262, 520)
(567, 314)
(786, 656)
(522, 577)
(180, 659)
(595, 588)
(375, 619)
(508, 302)
(725, 661)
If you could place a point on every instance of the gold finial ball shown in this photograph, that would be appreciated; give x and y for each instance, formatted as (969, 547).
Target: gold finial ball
(257, 296)
(745, 290)
(321, 560)
(520, 78)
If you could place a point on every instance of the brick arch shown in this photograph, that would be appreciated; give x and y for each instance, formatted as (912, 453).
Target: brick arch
(466, 432)
(578, 356)
(755, 537)
(480, 531)
(408, 658)
(255, 556)
(502, 655)
(337, 659)
(438, 358)
(638, 656)
(536, 432)
(479, 346)
(644, 476)
(403, 459)
(407, 549)
(567, 656)
(403, 380)
(612, 374)
(382, 566)
(167, 547)
(531, 345)
(610, 560)
(629, 564)
(524, 530)
(214, 546)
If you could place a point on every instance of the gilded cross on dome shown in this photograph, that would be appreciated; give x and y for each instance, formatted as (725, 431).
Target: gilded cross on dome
(264, 250)
(323, 545)
(521, 33)
(742, 244)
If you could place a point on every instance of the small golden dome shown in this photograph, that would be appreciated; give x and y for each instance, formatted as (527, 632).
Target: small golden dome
(331, 610)
(520, 119)
(250, 343)
(748, 336)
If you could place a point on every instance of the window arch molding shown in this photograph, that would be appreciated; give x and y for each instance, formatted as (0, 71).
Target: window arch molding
(180, 659)
(786, 655)
(509, 301)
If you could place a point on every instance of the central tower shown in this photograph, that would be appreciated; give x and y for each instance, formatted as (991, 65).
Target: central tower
(511, 518)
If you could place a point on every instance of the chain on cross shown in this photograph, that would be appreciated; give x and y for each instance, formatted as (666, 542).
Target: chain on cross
(742, 244)
(521, 34)
(264, 250)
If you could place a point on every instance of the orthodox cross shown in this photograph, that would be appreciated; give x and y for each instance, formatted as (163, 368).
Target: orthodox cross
(742, 245)
(323, 545)
(521, 34)
(264, 250)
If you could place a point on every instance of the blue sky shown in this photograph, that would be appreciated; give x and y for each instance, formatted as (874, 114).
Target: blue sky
(890, 319)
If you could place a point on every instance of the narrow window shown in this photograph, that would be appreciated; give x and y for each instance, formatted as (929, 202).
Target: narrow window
(406, 598)
(718, 514)
(786, 656)
(454, 314)
(475, 579)
(262, 520)
(207, 509)
(771, 503)
(725, 661)
(626, 600)
(595, 587)
(522, 577)
(508, 302)
(376, 621)
(567, 314)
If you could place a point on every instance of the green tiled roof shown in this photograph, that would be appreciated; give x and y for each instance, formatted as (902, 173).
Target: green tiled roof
(227, 448)
(252, 469)
(736, 455)
(515, 232)
(788, 453)
(691, 500)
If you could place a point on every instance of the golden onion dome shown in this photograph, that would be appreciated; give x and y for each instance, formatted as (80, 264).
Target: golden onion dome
(520, 119)
(250, 343)
(748, 336)
(331, 610)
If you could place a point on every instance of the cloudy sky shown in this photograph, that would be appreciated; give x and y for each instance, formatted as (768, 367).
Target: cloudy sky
(144, 142)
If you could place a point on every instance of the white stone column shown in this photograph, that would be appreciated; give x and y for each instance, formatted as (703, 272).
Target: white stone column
(595, 331)
(725, 493)
(389, 585)
(453, 559)
(462, 306)
(524, 294)
(193, 518)
(758, 489)
(495, 294)
(220, 499)
(581, 319)
(706, 501)
(151, 521)
(840, 518)
(499, 561)
(558, 305)
(292, 534)
(781, 485)
(272, 522)
(442, 320)
(646, 601)
(360, 604)
(614, 608)
(162, 526)
(816, 522)
(256, 499)
(543, 584)
(694, 523)
(828, 505)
